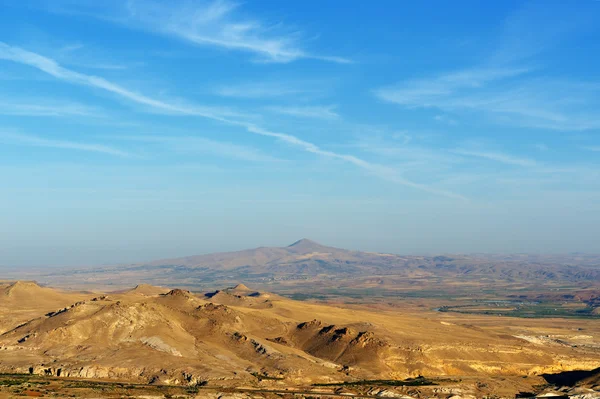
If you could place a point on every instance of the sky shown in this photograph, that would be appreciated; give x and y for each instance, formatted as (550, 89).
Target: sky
(135, 130)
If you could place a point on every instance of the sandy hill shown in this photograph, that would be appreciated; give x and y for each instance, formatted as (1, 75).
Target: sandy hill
(22, 300)
(175, 337)
(30, 294)
(25, 290)
(238, 334)
(240, 287)
(241, 295)
(148, 290)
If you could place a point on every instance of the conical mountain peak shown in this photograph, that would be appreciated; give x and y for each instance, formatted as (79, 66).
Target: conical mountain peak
(306, 246)
(241, 287)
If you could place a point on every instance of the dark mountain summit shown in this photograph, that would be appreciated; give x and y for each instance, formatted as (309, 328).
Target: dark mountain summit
(308, 246)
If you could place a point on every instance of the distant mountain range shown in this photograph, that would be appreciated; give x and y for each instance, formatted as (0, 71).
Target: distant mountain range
(307, 266)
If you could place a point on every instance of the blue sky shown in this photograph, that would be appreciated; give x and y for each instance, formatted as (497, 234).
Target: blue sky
(134, 130)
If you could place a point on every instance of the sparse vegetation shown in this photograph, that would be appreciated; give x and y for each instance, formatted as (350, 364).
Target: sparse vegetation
(8, 382)
(409, 382)
(539, 309)
(266, 377)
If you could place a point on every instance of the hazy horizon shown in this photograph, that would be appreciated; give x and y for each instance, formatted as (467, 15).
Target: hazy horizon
(153, 130)
(174, 255)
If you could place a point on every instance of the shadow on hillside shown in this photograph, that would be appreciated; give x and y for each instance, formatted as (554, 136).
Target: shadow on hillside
(570, 378)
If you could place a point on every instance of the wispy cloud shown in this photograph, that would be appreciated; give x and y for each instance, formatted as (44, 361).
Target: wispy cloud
(217, 23)
(76, 55)
(107, 67)
(268, 89)
(426, 92)
(538, 26)
(31, 108)
(69, 48)
(497, 157)
(504, 87)
(36, 141)
(592, 148)
(190, 144)
(317, 112)
(445, 119)
(405, 152)
(51, 67)
(382, 171)
(440, 91)
(507, 95)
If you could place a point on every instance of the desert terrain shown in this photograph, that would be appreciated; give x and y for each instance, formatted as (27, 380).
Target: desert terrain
(389, 326)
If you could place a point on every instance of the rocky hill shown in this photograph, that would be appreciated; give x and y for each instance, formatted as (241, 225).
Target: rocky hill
(238, 335)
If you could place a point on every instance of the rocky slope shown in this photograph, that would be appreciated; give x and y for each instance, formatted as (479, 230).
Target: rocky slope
(239, 336)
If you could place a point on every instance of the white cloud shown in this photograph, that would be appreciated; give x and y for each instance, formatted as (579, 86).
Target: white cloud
(36, 141)
(409, 156)
(445, 119)
(592, 148)
(31, 108)
(428, 92)
(497, 157)
(318, 112)
(382, 171)
(441, 91)
(92, 65)
(507, 95)
(217, 23)
(504, 87)
(78, 55)
(189, 144)
(425, 92)
(51, 67)
(269, 89)
(538, 26)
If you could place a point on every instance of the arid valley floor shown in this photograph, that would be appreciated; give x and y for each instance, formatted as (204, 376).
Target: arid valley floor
(313, 321)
